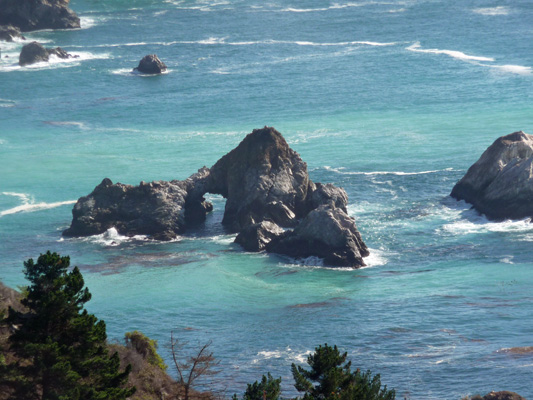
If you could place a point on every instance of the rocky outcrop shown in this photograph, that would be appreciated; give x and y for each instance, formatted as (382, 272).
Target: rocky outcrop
(156, 209)
(35, 52)
(270, 201)
(9, 33)
(326, 232)
(500, 183)
(32, 15)
(151, 64)
(503, 395)
(262, 179)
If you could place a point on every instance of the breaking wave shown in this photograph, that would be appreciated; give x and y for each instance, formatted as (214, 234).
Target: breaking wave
(451, 53)
(29, 204)
(500, 10)
(341, 171)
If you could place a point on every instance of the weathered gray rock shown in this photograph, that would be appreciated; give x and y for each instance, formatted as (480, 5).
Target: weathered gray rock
(35, 52)
(156, 209)
(326, 232)
(151, 64)
(256, 237)
(262, 179)
(32, 15)
(9, 33)
(500, 183)
(267, 188)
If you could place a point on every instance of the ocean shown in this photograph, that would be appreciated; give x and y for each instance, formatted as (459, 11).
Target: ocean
(391, 100)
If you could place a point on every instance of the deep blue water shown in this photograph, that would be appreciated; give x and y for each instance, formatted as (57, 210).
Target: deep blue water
(392, 100)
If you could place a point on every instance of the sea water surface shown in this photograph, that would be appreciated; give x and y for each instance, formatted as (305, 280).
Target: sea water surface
(392, 100)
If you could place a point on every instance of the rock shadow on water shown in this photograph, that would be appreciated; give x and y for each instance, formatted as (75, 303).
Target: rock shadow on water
(118, 263)
(334, 301)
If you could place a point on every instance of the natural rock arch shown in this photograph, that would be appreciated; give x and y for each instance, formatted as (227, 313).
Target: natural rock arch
(267, 190)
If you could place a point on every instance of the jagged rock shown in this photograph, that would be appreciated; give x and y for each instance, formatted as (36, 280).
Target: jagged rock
(9, 33)
(262, 179)
(35, 52)
(256, 237)
(267, 188)
(32, 15)
(155, 209)
(500, 183)
(326, 232)
(151, 64)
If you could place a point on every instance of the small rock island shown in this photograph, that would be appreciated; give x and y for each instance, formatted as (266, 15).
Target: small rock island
(270, 202)
(500, 183)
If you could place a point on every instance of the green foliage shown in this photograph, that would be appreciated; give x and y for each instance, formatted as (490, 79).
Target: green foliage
(334, 379)
(268, 389)
(146, 347)
(61, 348)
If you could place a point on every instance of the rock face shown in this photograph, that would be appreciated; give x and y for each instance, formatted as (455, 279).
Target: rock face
(262, 178)
(157, 209)
(32, 15)
(35, 52)
(500, 183)
(9, 33)
(268, 192)
(151, 64)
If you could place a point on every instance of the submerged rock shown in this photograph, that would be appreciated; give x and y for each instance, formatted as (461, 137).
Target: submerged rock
(500, 183)
(9, 33)
(32, 15)
(268, 191)
(35, 52)
(151, 64)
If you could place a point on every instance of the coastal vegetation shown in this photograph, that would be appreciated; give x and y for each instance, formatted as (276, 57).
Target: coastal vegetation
(52, 348)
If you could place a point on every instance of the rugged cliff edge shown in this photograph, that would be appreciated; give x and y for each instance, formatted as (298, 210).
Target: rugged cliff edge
(500, 183)
(32, 15)
(271, 202)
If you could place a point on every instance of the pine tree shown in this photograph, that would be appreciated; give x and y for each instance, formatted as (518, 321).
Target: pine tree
(61, 348)
(268, 389)
(334, 379)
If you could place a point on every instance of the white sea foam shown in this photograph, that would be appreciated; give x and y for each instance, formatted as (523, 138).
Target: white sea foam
(500, 10)
(341, 171)
(451, 53)
(56, 62)
(87, 22)
(375, 259)
(514, 69)
(286, 354)
(223, 239)
(334, 6)
(470, 222)
(131, 72)
(111, 237)
(29, 205)
(67, 124)
(5, 103)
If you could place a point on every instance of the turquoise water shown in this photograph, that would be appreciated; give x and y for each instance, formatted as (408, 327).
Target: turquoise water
(392, 100)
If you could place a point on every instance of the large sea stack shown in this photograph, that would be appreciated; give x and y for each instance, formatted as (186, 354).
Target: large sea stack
(32, 15)
(35, 52)
(500, 183)
(271, 202)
